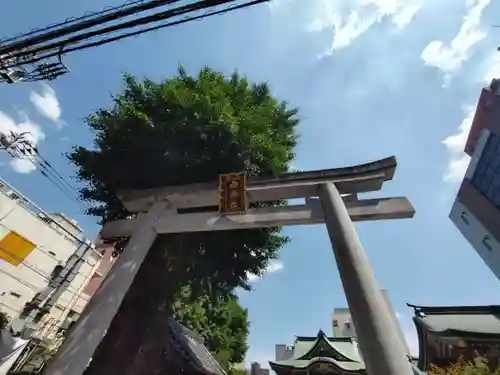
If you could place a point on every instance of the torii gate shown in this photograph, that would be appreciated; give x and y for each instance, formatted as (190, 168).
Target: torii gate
(331, 198)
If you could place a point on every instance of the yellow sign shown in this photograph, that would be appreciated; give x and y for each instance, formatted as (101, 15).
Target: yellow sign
(14, 248)
(232, 189)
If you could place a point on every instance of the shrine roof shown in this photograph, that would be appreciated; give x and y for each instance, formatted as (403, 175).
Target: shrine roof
(306, 363)
(452, 320)
(355, 367)
(191, 347)
(341, 352)
(346, 348)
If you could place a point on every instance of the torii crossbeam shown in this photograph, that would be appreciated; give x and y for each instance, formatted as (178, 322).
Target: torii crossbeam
(330, 198)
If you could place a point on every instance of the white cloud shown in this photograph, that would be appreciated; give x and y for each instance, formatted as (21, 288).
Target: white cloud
(347, 20)
(273, 266)
(406, 14)
(47, 104)
(22, 165)
(449, 58)
(34, 135)
(491, 67)
(458, 159)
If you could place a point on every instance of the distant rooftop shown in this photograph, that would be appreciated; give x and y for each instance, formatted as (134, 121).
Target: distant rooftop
(72, 222)
(459, 320)
(14, 194)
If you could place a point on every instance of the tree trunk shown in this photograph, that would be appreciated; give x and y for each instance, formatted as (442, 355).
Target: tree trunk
(136, 341)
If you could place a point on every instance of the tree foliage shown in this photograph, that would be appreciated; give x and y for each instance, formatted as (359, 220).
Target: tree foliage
(4, 320)
(222, 323)
(185, 130)
(462, 367)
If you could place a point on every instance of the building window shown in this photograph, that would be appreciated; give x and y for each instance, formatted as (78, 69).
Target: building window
(486, 178)
(464, 218)
(15, 294)
(347, 325)
(487, 243)
(335, 323)
(13, 195)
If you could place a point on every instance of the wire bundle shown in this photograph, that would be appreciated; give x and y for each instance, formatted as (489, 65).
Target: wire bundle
(19, 145)
(95, 29)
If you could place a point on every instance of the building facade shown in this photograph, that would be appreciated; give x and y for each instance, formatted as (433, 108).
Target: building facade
(476, 210)
(342, 323)
(42, 255)
(343, 326)
(256, 369)
(448, 333)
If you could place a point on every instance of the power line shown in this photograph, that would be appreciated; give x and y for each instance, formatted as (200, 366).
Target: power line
(18, 145)
(35, 270)
(47, 253)
(43, 48)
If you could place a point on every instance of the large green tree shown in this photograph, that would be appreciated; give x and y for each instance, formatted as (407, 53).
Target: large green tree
(182, 130)
(221, 322)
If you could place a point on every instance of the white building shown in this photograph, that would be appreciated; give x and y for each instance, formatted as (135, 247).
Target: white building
(343, 325)
(34, 248)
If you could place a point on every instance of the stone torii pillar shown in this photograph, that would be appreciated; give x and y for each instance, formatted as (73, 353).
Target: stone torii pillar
(331, 198)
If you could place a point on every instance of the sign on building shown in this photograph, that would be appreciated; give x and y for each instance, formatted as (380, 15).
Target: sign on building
(232, 189)
(14, 248)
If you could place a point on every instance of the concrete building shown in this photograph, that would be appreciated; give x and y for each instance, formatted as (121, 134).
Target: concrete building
(343, 325)
(256, 369)
(283, 352)
(36, 250)
(476, 210)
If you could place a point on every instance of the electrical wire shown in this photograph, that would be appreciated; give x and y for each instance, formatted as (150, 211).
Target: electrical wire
(28, 52)
(20, 147)
(49, 174)
(143, 31)
(32, 268)
(24, 48)
(40, 249)
(71, 20)
(75, 295)
(87, 24)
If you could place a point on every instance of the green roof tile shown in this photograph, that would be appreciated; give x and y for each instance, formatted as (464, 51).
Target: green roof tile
(466, 319)
(340, 351)
(302, 364)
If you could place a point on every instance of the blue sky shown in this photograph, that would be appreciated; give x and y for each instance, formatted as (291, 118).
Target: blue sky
(372, 78)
